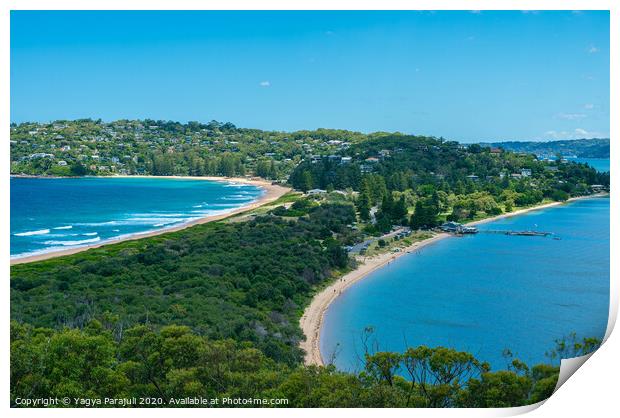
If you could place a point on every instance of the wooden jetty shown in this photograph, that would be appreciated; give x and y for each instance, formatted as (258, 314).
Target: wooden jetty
(519, 233)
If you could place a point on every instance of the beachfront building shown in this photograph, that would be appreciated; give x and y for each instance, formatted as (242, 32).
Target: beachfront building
(450, 226)
(457, 228)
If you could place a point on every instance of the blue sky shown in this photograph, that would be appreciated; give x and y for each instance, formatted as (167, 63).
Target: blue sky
(467, 76)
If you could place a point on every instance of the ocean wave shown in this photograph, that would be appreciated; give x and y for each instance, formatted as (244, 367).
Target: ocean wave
(59, 235)
(29, 233)
(184, 220)
(217, 205)
(89, 234)
(72, 243)
(237, 198)
(134, 220)
(146, 221)
(106, 223)
(156, 214)
(64, 227)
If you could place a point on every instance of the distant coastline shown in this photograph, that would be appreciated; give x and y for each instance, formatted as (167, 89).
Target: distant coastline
(35, 176)
(272, 193)
(311, 321)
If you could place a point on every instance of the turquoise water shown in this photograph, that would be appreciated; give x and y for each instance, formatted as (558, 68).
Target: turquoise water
(599, 164)
(486, 292)
(52, 214)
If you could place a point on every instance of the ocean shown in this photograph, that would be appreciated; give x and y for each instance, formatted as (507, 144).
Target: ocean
(49, 214)
(484, 293)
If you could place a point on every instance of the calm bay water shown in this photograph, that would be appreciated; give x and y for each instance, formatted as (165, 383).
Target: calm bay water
(486, 292)
(599, 164)
(52, 214)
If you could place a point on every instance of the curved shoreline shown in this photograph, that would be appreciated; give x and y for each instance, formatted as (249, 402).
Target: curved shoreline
(311, 321)
(272, 193)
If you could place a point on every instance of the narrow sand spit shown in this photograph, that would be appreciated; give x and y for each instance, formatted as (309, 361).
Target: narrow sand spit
(312, 319)
(272, 193)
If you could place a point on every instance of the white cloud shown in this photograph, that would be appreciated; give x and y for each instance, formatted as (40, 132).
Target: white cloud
(571, 116)
(588, 106)
(593, 50)
(265, 83)
(577, 133)
(553, 134)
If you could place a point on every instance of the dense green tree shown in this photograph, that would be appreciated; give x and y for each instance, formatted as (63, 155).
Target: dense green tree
(78, 169)
(425, 214)
(363, 204)
(307, 182)
(399, 211)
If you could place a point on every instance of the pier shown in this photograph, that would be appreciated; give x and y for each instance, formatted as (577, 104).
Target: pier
(518, 233)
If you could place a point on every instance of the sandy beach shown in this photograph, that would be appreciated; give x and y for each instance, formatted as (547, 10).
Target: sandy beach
(272, 193)
(312, 319)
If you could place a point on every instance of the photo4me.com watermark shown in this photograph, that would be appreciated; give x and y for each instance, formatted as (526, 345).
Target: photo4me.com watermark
(147, 402)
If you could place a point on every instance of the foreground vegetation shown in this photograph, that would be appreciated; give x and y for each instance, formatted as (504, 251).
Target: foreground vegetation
(174, 365)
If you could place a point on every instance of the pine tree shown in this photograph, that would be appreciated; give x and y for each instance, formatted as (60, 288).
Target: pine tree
(306, 181)
(363, 206)
(399, 210)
